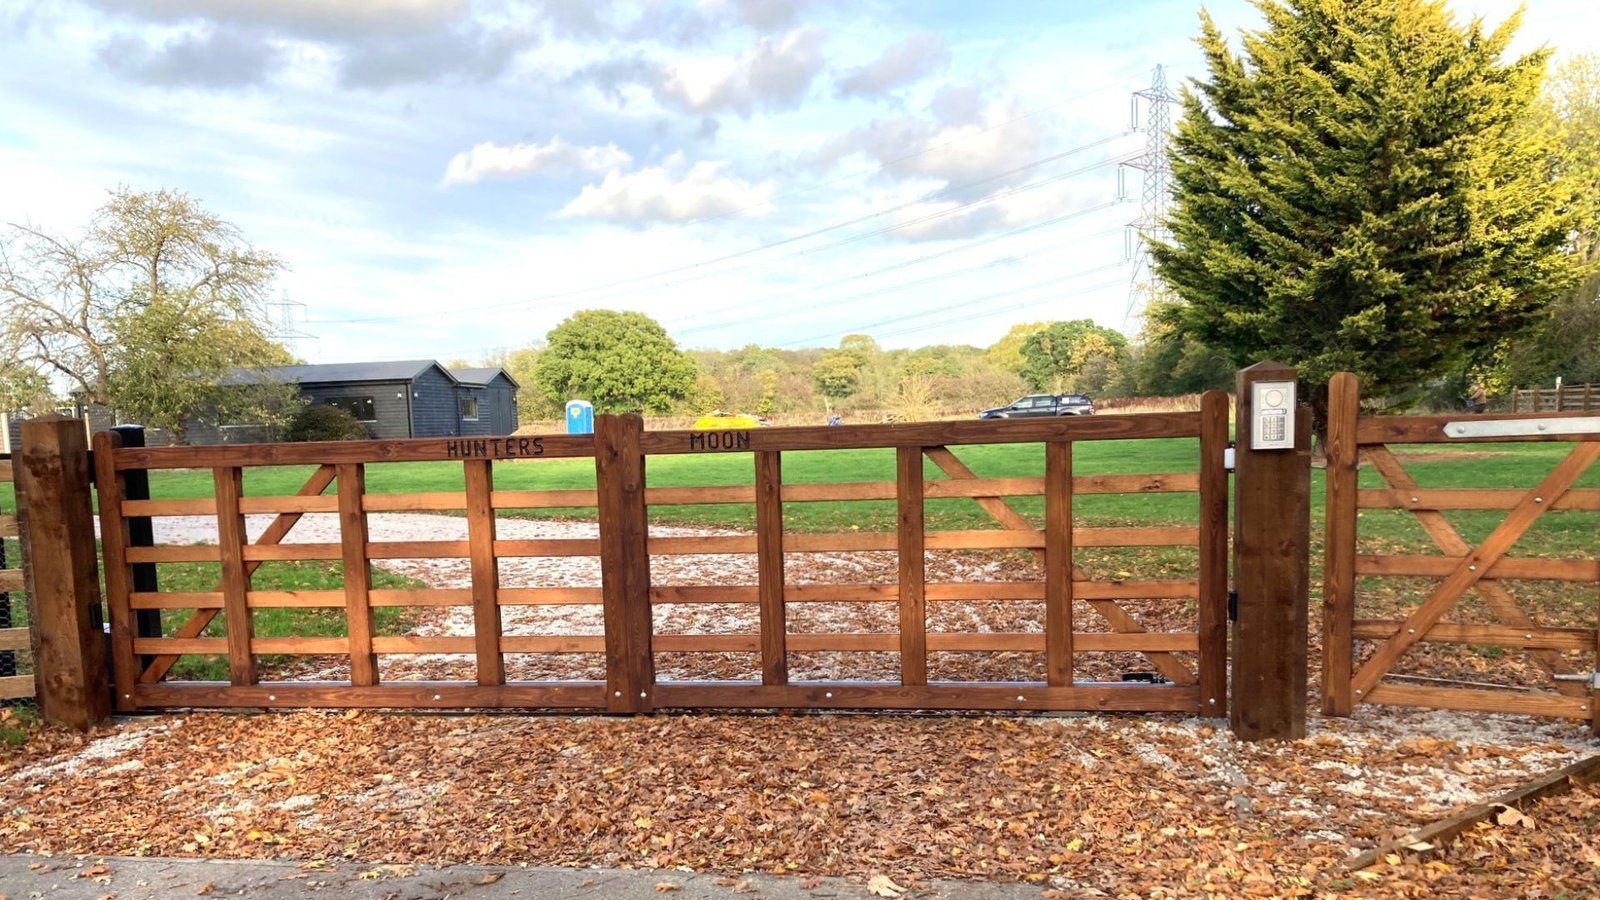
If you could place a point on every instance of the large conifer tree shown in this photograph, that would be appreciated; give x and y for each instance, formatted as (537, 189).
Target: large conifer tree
(1359, 190)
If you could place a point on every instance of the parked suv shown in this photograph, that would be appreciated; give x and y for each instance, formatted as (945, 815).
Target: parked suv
(1043, 405)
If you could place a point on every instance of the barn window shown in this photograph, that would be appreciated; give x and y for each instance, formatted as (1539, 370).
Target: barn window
(469, 408)
(360, 407)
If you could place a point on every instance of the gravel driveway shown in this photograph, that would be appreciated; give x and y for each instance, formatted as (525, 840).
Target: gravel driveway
(697, 618)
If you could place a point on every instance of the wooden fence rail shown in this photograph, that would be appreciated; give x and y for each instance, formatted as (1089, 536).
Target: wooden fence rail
(629, 641)
(1566, 398)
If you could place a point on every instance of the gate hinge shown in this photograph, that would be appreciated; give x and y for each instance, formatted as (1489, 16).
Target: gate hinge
(1592, 679)
(1233, 605)
(1227, 457)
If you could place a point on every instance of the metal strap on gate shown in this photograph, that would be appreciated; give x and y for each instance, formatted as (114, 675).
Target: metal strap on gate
(1523, 427)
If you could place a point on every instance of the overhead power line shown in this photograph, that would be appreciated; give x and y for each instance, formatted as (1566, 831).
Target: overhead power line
(1051, 282)
(765, 305)
(930, 197)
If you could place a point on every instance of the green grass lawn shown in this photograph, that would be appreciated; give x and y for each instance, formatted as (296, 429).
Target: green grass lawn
(821, 466)
(1487, 465)
(302, 575)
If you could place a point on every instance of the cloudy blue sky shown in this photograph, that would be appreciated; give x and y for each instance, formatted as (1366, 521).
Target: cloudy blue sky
(446, 178)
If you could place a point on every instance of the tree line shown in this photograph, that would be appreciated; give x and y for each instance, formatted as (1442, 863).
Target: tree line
(1365, 185)
(626, 361)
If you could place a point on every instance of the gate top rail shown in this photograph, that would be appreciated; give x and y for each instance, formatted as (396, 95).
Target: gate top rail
(557, 446)
(1431, 429)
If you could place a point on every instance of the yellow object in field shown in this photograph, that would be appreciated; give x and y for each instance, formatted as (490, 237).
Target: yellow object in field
(716, 422)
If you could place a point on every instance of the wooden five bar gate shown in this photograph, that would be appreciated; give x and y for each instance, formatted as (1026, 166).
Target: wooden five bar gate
(1190, 664)
(611, 583)
(1565, 655)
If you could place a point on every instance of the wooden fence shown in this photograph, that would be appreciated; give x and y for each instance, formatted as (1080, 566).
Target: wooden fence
(1566, 398)
(1564, 654)
(16, 651)
(630, 600)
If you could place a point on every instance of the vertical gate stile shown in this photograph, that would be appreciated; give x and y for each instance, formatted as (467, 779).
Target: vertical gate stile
(910, 544)
(485, 572)
(352, 485)
(1213, 562)
(1339, 564)
(1058, 563)
(769, 568)
(114, 537)
(229, 483)
(624, 562)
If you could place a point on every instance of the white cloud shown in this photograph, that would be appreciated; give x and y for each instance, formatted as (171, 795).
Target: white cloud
(319, 19)
(377, 43)
(769, 14)
(908, 61)
(908, 147)
(774, 74)
(213, 57)
(556, 157)
(669, 193)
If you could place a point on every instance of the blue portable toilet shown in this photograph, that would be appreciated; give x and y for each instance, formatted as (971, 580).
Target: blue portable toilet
(580, 417)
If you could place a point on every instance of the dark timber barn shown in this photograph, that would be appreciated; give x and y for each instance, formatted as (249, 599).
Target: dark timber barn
(410, 398)
(401, 399)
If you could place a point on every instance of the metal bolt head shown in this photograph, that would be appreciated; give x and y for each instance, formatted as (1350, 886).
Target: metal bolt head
(272, 698)
(828, 695)
(1020, 698)
(436, 696)
(643, 695)
(617, 694)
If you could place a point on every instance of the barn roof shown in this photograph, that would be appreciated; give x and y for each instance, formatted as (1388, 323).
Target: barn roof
(482, 376)
(396, 370)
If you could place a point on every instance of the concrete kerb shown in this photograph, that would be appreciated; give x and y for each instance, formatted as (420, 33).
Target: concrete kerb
(139, 878)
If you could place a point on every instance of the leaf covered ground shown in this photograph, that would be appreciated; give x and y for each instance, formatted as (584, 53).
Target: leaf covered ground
(1127, 806)
(1550, 850)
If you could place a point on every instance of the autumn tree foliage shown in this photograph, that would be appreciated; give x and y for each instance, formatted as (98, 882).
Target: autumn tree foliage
(147, 311)
(619, 361)
(1359, 189)
(1055, 356)
(1565, 339)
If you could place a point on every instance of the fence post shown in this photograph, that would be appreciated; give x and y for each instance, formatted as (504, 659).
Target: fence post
(136, 486)
(624, 562)
(70, 668)
(1271, 545)
(1339, 546)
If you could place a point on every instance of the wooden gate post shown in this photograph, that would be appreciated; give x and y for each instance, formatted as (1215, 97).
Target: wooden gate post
(624, 563)
(141, 533)
(1271, 546)
(1339, 545)
(70, 668)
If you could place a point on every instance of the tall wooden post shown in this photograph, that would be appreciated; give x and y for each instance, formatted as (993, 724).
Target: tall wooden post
(141, 533)
(624, 563)
(1271, 545)
(1339, 546)
(70, 668)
